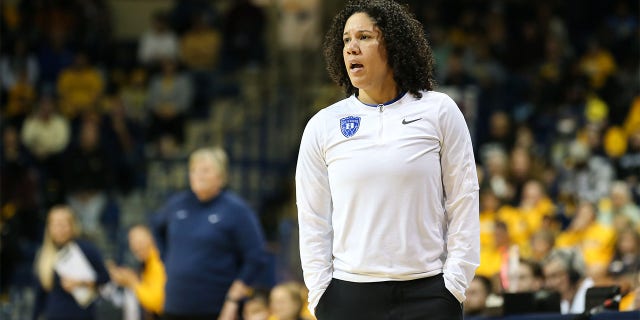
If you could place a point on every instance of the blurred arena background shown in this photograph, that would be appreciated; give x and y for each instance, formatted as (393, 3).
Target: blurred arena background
(550, 90)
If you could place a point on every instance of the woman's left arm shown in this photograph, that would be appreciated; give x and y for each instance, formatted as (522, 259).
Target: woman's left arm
(461, 200)
(95, 259)
(250, 241)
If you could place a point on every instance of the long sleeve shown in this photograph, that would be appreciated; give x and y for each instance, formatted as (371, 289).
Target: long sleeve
(314, 212)
(183, 93)
(150, 290)
(95, 259)
(250, 241)
(460, 183)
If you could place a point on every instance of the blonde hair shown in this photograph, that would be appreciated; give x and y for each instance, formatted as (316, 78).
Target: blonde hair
(47, 255)
(296, 292)
(217, 156)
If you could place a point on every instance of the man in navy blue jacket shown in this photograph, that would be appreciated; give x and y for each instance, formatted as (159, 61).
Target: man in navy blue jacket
(214, 247)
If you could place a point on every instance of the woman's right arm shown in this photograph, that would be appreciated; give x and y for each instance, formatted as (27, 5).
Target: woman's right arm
(313, 198)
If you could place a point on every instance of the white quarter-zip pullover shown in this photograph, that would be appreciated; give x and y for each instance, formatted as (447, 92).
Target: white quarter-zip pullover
(388, 193)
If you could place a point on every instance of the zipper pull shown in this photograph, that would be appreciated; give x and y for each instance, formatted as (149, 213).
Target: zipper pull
(381, 107)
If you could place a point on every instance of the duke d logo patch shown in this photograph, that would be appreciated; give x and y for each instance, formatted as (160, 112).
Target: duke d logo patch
(349, 126)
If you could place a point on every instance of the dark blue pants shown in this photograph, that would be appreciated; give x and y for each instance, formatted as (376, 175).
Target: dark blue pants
(425, 298)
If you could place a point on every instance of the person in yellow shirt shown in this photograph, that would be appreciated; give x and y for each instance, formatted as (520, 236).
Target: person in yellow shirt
(594, 240)
(529, 216)
(149, 286)
(200, 46)
(79, 87)
(597, 64)
(494, 260)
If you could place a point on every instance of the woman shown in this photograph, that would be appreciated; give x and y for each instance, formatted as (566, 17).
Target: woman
(386, 182)
(62, 292)
(148, 284)
(214, 244)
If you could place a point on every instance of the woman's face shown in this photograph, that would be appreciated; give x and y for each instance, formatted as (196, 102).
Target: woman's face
(283, 305)
(60, 226)
(204, 178)
(365, 56)
(140, 243)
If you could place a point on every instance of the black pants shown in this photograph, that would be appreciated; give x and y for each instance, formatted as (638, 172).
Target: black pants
(425, 298)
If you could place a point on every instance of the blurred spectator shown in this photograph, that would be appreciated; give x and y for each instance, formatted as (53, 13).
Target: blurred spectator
(149, 285)
(500, 134)
(60, 295)
(158, 43)
(94, 30)
(53, 56)
(167, 171)
(46, 134)
(200, 49)
(495, 162)
(629, 164)
(522, 169)
(552, 75)
(182, 13)
(302, 16)
(564, 272)
(495, 259)
(210, 229)
(256, 307)
(475, 306)
(88, 179)
(286, 302)
(20, 99)
(79, 87)
(49, 17)
(19, 69)
(526, 39)
(534, 212)
(542, 243)
(134, 93)
(244, 36)
(625, 268)
(124, 144)
(529, 277)
(169, 98)
(594, 240)
(587, 176)
(597, 63)
(489, 205)
(626, 257)
(456, 73)
(622, 211)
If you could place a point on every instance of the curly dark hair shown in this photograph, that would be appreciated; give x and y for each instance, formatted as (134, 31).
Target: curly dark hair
(408, 51)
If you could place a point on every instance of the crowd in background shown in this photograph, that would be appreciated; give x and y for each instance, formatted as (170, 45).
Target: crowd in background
(556, 118)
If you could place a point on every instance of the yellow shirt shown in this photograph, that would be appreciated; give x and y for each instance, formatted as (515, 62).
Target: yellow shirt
(491, 259)
(596, 243)
(598, 66)
(517, 225)
(201, 50)
(150, 290)
(536, 215)
(632, 122)
(79, 90)
(487, 223)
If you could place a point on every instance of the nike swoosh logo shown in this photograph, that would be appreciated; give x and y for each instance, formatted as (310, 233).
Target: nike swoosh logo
(404, 121)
